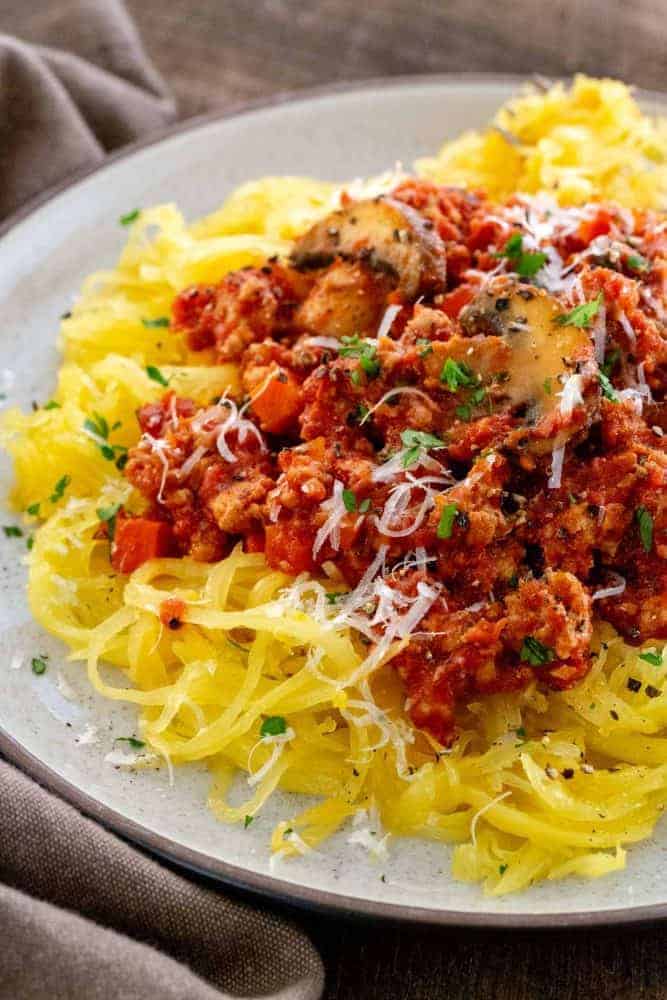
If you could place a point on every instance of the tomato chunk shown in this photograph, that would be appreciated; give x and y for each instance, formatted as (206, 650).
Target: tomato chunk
(453, 302)
(137, 540)
(279, 403)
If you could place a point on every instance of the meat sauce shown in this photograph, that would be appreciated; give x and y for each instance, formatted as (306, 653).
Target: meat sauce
(474, 394)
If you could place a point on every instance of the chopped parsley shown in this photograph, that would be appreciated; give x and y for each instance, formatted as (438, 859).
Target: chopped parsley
(446, 522)
(521, 733)
(130, 217)
(525, 264)
(12, 531)
(637, 263)
(156, 375)
(274, 725)
(33, 509)
(414, 442)
(650, 656)
(59, 488)
(247, 821)
(51, 405)
(39, 665)
(97, 427)
(350, 500)
(546, 385)
(29, 542)
(535, 652)
(607, 388)
(132, 741)
(502, 869)
(610, 361)
(333, 597)
(355, 347)
(155, 324)
(582, 315)
(645, 523)
(108, 516)
(456, 374)
(464, 412)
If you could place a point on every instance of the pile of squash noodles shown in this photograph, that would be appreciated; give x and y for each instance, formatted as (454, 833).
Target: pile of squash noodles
(538, 786)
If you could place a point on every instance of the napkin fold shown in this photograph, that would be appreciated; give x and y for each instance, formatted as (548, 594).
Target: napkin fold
(84, 88)
(83, 914)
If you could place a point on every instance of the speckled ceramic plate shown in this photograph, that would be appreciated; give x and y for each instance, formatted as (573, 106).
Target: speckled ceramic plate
(44, 255)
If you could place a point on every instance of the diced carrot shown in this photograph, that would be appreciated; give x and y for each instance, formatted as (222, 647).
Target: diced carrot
(279, 403)
(453, 302)
(138, 539)
(289, 547)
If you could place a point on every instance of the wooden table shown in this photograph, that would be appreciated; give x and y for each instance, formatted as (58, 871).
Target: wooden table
(215, 53)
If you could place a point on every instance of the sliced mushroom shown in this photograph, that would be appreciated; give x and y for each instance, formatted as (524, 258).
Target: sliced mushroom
(345, 299)
(391, 237)
(544, 353)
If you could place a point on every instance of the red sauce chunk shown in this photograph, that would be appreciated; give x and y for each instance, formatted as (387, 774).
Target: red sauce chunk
(456, 410)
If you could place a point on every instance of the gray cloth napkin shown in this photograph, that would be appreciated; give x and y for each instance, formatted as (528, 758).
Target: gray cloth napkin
(82, 88)
(68, 887)
(82, 914)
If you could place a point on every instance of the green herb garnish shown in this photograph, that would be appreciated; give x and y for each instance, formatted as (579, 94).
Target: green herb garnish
(637, 263)
(155, 324)
(535, 652)
(59, 488)
(456, 374)
(355, 347)
(446, 522)
(650, 656)
(33, 509)
(39, 665)
(350, 501)
(12, 531)
(130, 217)
(414, 442)
(108, 516)
(275, 725)
(247, 821)
(582, 315)
(610, 361)
(525, 264)
(607, 388)
(645, 523)
(132, 741)
(51, 405)
(156, 375)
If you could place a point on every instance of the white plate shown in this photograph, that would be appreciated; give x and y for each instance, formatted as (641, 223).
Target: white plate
(44, 255)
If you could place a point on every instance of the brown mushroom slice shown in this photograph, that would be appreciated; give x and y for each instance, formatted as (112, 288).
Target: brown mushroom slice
(544, 353)
(346, 299)
(389, 236)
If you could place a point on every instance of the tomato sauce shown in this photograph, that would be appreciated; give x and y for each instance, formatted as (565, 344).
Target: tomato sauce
(501, 443)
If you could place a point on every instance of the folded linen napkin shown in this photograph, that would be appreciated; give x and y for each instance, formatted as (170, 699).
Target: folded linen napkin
(65, 104)
(83, 914)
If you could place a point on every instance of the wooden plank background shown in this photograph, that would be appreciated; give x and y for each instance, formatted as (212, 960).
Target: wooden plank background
(215, 53)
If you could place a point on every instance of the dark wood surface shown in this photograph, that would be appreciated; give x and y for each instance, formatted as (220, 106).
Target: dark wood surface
(215, 53)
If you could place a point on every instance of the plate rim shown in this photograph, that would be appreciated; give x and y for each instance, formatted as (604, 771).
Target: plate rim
(260, 884)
